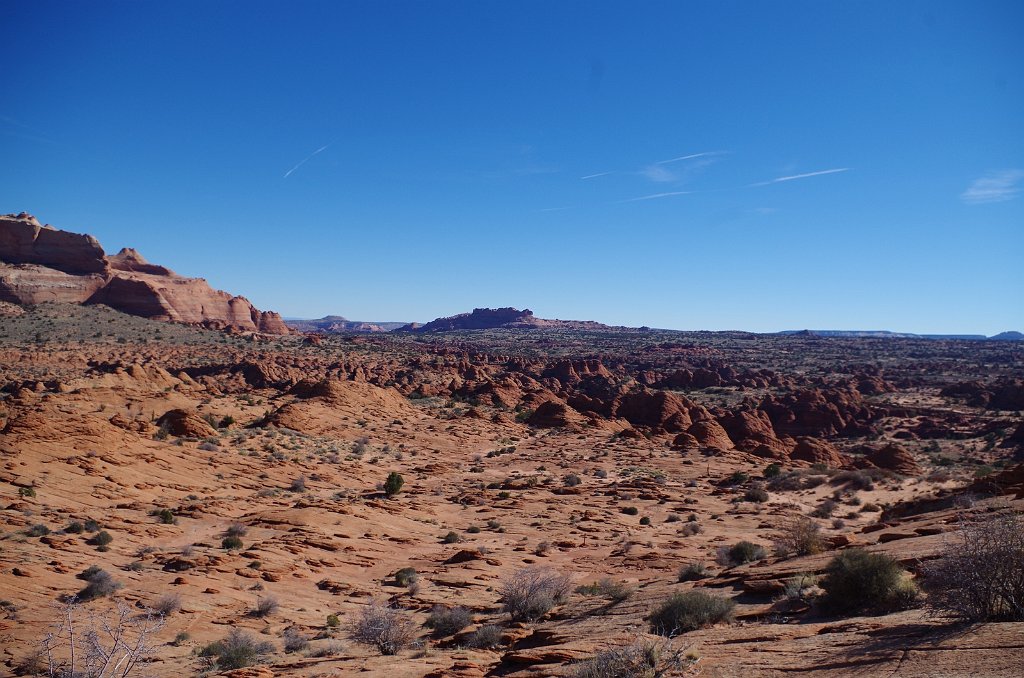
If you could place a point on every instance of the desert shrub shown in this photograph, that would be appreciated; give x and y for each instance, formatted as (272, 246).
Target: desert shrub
(388, 629)
(235, 651)
(264, 607)
(646, 520)
(825, 509)
(333, 621)
(166, 516)
(393, 484)
(329, 648)
(406, 576)
(26, 491)
(786, 482)
(740, 553)
(445, 621)
(857, 579)
(231, 543)
(630, 510)
(99, 583)
(756, 494)
(236, 530)
(801, 588)
(102, 538)
(800, 536)
(572, 480)
(39, 530)
(857, 480)
(486, 637)
(298, 484)
(167, 604)
(690, 529)
(693, 572)
(542, 548)
(615, 591)
(294, 640)
(737, 478)
(640, 660)
(226, 422)
(773, 470)
(980, 575)
(689, 611)
(473, 529)
(451, 538)
(531, 592)
(91, 526)
(74, 527)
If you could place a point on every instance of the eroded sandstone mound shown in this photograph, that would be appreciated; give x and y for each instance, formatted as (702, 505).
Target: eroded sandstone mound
(41, 264)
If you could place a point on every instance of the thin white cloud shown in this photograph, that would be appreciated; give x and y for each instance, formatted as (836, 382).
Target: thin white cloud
(655, 196)
(689, 157)
(307, 159)
(779, 180)
(995, 186)
(599, 174)
(659, 174)
(555, 209)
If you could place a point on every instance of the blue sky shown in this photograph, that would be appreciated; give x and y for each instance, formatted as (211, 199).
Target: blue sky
(692, 165)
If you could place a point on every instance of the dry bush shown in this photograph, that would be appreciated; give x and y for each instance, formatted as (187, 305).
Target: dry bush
(980, 576)
(531, 592)
(800, 536)
(167, 604)
(446, 621)
(235, 651)
(294, 639)
(690, 611)
(264, 607)
(388, 629)
(639, 660)
(107, 642)
(486, 637)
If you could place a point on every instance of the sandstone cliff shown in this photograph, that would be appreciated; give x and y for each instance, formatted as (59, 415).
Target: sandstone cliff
(41, 264)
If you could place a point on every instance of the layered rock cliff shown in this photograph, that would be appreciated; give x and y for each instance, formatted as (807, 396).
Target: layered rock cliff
(41, 264)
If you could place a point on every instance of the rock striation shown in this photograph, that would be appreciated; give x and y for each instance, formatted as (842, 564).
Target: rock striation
(41, 264)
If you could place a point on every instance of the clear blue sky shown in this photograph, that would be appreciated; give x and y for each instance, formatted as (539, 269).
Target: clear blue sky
(852, 165)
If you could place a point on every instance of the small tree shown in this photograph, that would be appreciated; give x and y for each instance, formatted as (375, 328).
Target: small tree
(107, 643)
(388, 629)
(980, 576)
(393, 484)
(531, 592)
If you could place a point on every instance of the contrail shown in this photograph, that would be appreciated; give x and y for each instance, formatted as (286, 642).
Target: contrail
(801, 176)
(307, 159)
(687, 157)
(594, 176)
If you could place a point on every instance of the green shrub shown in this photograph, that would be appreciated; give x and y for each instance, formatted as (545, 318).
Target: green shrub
(39, 530)
(684, 612)
(237, 650)
(773, 470)
(451, 538)
(26, 491)
(860, 580)
(74, 527)
(333, 621)
(102, 538)
(406, 576)
(231, 543)
(740, 553)
(100, 583)
(630, 510)
(756, 494)
(393, 484)
(166, 516)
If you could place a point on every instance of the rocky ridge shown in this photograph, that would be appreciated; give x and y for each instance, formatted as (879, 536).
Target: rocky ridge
(40, 264)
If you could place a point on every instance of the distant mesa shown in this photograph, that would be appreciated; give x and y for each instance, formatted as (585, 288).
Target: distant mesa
(886, 334)
(336, 324)
(39, 264)
(503, 318)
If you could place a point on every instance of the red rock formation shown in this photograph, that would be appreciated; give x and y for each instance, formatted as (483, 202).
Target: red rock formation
(552, 414)
(816, 451)
(39, 264)
(892, 457)
(709, 433)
